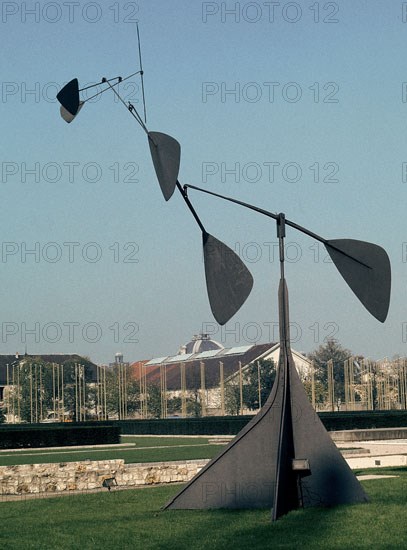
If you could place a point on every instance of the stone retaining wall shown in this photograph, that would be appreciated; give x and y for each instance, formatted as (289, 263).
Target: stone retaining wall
(88, 475)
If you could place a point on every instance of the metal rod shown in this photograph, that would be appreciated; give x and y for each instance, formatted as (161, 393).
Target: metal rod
(31, 393)
(283, 305)
(313, 384)
(259, 383)
(183, 391)
(131, 108)
(203, 389)
(222, 388)
(105, 393)
(276, 217)
(107, 81)
(84, 392)
(76, 391)
(189, 204)
(250, 206)
(240, 388)
(99, 83)
(35, 392)
(141, 74)
(13, 402)
(8, 392)
(41, 393)
(119, 392)
(62, 394)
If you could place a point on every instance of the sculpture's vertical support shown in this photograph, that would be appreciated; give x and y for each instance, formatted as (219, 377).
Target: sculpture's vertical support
(285, 494)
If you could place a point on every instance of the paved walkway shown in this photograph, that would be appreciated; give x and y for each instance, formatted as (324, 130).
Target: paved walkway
(375, 454)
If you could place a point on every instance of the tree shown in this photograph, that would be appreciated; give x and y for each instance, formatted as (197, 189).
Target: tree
(232, 398)
(133, 397)
(42, 388)
(319, 389)
(33, 393)
(332, 350)
(194, 405)
(2, 416)
(112, 393)
(154, 401)
(267, 371)
(257, 378)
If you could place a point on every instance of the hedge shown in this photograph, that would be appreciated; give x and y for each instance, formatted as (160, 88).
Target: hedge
(211, 425)
(231, 425)
(98, 433)
(363, 420)
(58, 435)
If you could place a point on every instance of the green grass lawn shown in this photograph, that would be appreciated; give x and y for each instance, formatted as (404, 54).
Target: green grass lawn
(146, 449)
(132, 519)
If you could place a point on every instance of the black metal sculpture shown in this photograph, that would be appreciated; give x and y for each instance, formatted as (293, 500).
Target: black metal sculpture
(284, 458)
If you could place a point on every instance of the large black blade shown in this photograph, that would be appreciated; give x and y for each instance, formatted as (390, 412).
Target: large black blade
(166, 155)
(69, 96)
(228, 280)
(366, 269)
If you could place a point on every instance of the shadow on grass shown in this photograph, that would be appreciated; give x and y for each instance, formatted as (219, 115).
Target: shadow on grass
(377, 524)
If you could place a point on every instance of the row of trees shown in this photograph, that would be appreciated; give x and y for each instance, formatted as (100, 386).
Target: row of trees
(262, 375)
(338, 379)
(39, 391)
(334, 352)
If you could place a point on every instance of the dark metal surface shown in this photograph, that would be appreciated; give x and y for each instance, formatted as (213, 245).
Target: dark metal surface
(228, 280)
(67, 116)
(364, 266)
(243, 474)
(184, 195)
(284, 458)
(68, 96)
(256, 470)
(370, 284)
(166, 155)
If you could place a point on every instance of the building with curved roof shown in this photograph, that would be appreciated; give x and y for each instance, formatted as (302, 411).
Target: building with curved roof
(192, 370)
(200, 343)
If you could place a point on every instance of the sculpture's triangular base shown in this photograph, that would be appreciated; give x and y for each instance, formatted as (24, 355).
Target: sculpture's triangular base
(256, 470)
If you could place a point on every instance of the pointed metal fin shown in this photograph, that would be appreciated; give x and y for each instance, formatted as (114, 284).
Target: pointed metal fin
(255, 469)
(366, 269)
(67, 116)
(166, 155)
(69, 96)
(228, 280)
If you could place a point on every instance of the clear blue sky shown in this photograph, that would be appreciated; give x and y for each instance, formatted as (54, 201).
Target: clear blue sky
(317, 94)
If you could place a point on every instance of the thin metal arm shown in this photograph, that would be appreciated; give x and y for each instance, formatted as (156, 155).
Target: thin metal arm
(250, 206)
(184, 194)
(277, 217)
(141, 74)
(131, 108)
(106, 81)
(99, 83)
